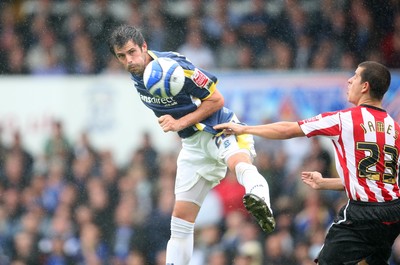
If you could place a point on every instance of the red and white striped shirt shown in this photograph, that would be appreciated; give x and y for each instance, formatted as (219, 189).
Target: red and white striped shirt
(367, 147)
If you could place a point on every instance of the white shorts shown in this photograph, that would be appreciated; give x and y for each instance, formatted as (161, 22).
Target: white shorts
(203, 156)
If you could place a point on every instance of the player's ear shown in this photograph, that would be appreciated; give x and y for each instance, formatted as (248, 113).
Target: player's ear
(144, 47)
(365, 87)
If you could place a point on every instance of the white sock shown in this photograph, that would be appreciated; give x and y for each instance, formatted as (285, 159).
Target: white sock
(253, 182)
(180, 245)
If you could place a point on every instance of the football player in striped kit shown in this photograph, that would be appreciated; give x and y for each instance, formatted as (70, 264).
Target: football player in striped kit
(366, 143)
(206, 153)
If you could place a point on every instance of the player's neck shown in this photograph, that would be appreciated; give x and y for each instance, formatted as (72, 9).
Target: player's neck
(371, 102)
(148, 59)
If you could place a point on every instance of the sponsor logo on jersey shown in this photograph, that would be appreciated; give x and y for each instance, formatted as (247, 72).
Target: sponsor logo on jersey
(316, 118)
(201, 79)
(160, 101)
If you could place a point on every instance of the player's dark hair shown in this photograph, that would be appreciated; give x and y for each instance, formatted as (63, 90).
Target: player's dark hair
(378, 77)
(122, 34)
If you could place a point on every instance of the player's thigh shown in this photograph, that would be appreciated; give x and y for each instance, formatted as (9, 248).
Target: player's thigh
(342, 245)
(350, 244)
(188, 203)
(383, 236)
(197, 160)
(234, 148)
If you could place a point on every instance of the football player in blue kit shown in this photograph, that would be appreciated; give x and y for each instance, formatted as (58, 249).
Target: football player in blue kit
(206, 153)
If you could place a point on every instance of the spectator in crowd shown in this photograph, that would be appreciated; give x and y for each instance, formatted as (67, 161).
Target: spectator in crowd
(47, 56)
(3, 150)
(323, 56)
(314, 214)
(92, 247)
(80, 172)
(347, 61)
(277, 55)
(228, 50)
(8, 35)
(149, 156)
(83, 59)
(230, 192)
(390, 44)
(268, 166)
(157, 31)
(54, 186)
(250, 244)
(217, 256)
(83, 147)
(12, 51)
(156, 225)
(196, 48)
(25, 248)
(274, 251)
(57, 146)
(246, 58)
(100, 203)
(136, 258)
(13, 175)
(214, 22)
(320, 157)
(124, 232)
(290, 24)
(363, 34)
(254, 27)
(208, 238)
(304, 51)
(15, 61)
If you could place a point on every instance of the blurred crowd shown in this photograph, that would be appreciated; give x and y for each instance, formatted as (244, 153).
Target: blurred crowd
(74, 205)
(69, 36)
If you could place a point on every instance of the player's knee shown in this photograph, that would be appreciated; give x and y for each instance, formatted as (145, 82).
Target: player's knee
(237, 158)
(185, 210)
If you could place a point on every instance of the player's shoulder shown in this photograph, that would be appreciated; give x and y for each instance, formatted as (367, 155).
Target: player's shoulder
(346, 110)
(181, 59)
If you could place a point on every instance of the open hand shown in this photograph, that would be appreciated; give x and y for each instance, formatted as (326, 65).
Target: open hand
(312, 179)
(230, 128)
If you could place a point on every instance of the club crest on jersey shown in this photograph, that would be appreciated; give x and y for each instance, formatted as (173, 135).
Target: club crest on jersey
(227, 143)
(201, 79)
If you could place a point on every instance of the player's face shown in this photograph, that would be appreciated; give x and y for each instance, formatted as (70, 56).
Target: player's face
(132, 57)
(355, 87)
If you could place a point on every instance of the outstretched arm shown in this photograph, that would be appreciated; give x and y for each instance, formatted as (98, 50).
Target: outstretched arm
(315, 180)
(277, 130)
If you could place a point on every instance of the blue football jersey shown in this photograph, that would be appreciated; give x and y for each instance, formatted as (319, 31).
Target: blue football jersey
(199, 85)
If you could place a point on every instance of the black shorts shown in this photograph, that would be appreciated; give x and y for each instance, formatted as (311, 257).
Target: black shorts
(350, 241)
